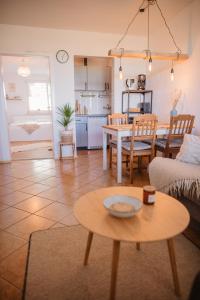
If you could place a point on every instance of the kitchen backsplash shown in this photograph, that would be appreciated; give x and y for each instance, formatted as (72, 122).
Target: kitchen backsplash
(89, 102)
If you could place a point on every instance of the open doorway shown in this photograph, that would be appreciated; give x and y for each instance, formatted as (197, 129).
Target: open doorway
(27, 88)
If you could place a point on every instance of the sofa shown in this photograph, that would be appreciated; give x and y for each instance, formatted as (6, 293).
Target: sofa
(182, 181)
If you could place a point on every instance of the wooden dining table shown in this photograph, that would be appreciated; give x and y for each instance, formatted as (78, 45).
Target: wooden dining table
(119, 132)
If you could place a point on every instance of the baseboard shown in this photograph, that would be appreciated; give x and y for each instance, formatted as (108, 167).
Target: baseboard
(5, 161)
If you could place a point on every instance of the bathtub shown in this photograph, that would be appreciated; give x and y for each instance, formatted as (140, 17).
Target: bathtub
(30, 130)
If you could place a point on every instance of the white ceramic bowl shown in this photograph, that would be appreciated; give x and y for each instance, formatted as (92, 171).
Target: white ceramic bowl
(136, 203)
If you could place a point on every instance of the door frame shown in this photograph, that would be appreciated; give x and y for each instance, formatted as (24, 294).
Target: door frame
(50, 58)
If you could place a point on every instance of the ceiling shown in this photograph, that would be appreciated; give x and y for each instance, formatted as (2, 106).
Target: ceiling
(108, 16)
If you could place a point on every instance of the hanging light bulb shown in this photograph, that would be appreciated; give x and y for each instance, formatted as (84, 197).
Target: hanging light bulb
(120, 73)
(120, 67)
(172, 72)
(150, 64)
(23, 70)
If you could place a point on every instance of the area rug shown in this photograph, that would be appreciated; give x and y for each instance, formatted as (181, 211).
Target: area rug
(31, 146)
(55, 268)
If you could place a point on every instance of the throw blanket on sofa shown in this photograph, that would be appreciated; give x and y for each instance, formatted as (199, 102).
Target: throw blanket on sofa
(176, 178)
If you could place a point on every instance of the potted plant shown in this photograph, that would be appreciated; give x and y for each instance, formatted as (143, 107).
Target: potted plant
(66, 112)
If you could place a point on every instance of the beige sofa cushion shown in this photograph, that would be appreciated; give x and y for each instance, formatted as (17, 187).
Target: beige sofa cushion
(190, 149)
(175, 177)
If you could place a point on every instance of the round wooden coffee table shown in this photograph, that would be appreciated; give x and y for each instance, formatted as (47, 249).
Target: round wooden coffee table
(161, 221)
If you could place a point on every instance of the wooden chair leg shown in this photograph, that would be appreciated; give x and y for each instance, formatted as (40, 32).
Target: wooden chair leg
(131, 171)
(126, 161)
(139, 163)
(110, 156)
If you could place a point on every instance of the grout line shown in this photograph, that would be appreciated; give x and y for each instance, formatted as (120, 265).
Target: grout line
(20, 290)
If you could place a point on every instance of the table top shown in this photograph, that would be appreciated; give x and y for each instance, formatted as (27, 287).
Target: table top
(123, 127)
(163, 220)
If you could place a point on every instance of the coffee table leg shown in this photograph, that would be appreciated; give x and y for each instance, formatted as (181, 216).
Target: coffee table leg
(115, 260)
(170, 244)
(87, 251)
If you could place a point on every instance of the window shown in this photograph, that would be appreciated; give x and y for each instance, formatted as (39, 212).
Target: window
(39, 96)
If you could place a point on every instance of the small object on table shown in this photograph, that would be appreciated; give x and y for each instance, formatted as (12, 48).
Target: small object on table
(122, 206)
(149, 194)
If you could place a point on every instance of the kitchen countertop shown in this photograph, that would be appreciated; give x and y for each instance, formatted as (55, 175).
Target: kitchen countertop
(92, 115)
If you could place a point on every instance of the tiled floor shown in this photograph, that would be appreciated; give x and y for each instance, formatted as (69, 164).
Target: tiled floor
(39, 194)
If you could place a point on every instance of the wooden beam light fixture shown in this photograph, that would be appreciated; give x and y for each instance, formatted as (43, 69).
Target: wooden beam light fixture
(148, 54)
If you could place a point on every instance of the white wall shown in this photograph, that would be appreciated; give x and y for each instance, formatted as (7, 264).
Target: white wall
(28, 40)
(5, 154)
(187, 74)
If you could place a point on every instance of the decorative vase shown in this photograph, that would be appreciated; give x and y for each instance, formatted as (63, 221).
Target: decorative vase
(67, 136)
(173, 112)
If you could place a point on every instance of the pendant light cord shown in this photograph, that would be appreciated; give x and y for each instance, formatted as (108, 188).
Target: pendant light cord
(129, 25)
(165, 22)
(148, 28)
(168, 28)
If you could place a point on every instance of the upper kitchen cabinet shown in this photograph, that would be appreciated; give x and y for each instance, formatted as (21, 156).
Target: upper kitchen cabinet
(98, 78)
(92, 74)
(80, 77)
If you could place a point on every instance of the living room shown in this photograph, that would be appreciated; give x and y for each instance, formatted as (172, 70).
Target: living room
(41, 220)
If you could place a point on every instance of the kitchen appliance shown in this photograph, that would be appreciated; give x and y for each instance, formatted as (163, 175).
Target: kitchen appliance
(141, 81)
(130, 82)
(81, 132)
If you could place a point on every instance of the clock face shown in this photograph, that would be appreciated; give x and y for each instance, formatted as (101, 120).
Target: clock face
(62, 56)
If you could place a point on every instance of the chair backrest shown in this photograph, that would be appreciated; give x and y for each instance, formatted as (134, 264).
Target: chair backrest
(117, 119)
(180, 125)
(144, 127)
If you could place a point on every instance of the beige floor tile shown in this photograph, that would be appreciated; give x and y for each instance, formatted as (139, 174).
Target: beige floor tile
(55, 211)
(14, 198)
(56, 225)
(12, 268)
(33, 204)
(37, 178)
(6, 179)
(18, 184)
(8, 291)
(9, 243)
(35, 189)
(69, 220)
(3, 206)
(52, 181)
(33, 223)
(10, 216)
(54, 194)
(4, 190)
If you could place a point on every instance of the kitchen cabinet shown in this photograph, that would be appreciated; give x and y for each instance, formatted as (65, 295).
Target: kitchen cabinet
(80, 78)
(98, 78)
(95, 132)
(92, 78)
(89, 133)
(82, 132)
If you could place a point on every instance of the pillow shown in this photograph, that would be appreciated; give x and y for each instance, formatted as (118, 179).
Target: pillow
(190, 149)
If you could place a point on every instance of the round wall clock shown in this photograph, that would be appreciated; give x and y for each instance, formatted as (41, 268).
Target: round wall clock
(62, 56)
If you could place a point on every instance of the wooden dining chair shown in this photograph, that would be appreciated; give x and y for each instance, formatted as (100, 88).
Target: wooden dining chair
(179, 126)
(115, 119)
(143, 139)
